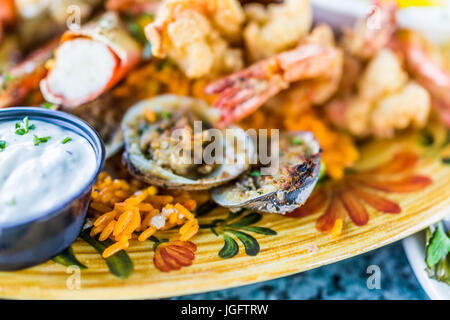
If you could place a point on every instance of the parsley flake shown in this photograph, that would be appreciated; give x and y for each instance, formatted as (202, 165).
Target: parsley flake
(2, 145)
(8, 77)
(297, 141)
(49, 105)
(67, 139)
(166, 115)
(255, 173)
(24, 127)
(38, 141)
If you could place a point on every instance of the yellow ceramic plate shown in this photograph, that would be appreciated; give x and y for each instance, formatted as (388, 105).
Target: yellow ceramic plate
(398, 188)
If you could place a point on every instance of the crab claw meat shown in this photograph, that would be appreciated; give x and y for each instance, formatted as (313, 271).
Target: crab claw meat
(90, 61)
(80, 62)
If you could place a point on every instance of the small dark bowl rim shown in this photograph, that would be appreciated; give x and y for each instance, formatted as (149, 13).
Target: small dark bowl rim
(89, 133)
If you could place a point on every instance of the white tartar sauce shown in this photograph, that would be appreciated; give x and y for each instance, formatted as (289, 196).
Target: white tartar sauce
(40, 169)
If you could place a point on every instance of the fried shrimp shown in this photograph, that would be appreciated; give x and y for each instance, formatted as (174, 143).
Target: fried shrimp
(195, 34)
(276, 27)
(315, 64)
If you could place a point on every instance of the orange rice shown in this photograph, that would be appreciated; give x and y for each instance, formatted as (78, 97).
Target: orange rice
(124, 210)
(154, 78)
(339, 149)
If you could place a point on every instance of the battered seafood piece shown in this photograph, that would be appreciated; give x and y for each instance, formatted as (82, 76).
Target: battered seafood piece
(90, 61)
(379, 95)
(165, 148)
(385, 101)
(276, 27)
(423, 62)
(282, 192)
(194, 34)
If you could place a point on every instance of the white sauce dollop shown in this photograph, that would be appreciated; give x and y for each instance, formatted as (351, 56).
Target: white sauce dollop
(37, 178)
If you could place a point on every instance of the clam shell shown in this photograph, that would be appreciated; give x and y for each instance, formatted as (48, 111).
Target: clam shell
(300, 183)
(149, 171)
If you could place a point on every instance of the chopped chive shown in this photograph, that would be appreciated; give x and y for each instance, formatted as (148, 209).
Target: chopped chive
(67, 139)
(297, 141)
(20, 132)
(11, 202)
(255, 173)
(2, 145)
(24, 127)
(48, 105)
(166, 115)
(38, 140)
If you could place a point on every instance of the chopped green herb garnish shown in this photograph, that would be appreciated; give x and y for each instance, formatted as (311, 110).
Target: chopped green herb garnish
(11, 202)
(24, 127)
(297, 141)
(8, 77)
(255, 173)
(48, 105)
(38, 140)
(67, 139)
(2, 145)
(166, 115)
(20, 132)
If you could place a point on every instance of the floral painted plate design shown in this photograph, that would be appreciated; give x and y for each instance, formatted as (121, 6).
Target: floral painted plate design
(398, 188)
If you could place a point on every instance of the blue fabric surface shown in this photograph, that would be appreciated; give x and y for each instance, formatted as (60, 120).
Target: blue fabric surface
(342, 280)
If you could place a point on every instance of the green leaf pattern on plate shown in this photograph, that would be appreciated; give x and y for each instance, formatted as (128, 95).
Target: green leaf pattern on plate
(67, 258)
(233, 227)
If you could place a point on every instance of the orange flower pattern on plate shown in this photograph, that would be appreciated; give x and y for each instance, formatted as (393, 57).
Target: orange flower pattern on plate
(349, 196)
(174, 255)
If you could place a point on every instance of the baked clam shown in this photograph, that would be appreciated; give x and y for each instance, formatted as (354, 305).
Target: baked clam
(286, 188)
(153, 144)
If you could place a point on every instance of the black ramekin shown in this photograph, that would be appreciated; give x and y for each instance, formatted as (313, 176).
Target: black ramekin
(32, 242)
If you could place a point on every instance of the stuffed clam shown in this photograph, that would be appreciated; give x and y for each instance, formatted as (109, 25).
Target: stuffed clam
(286, 187)
(153, 148)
